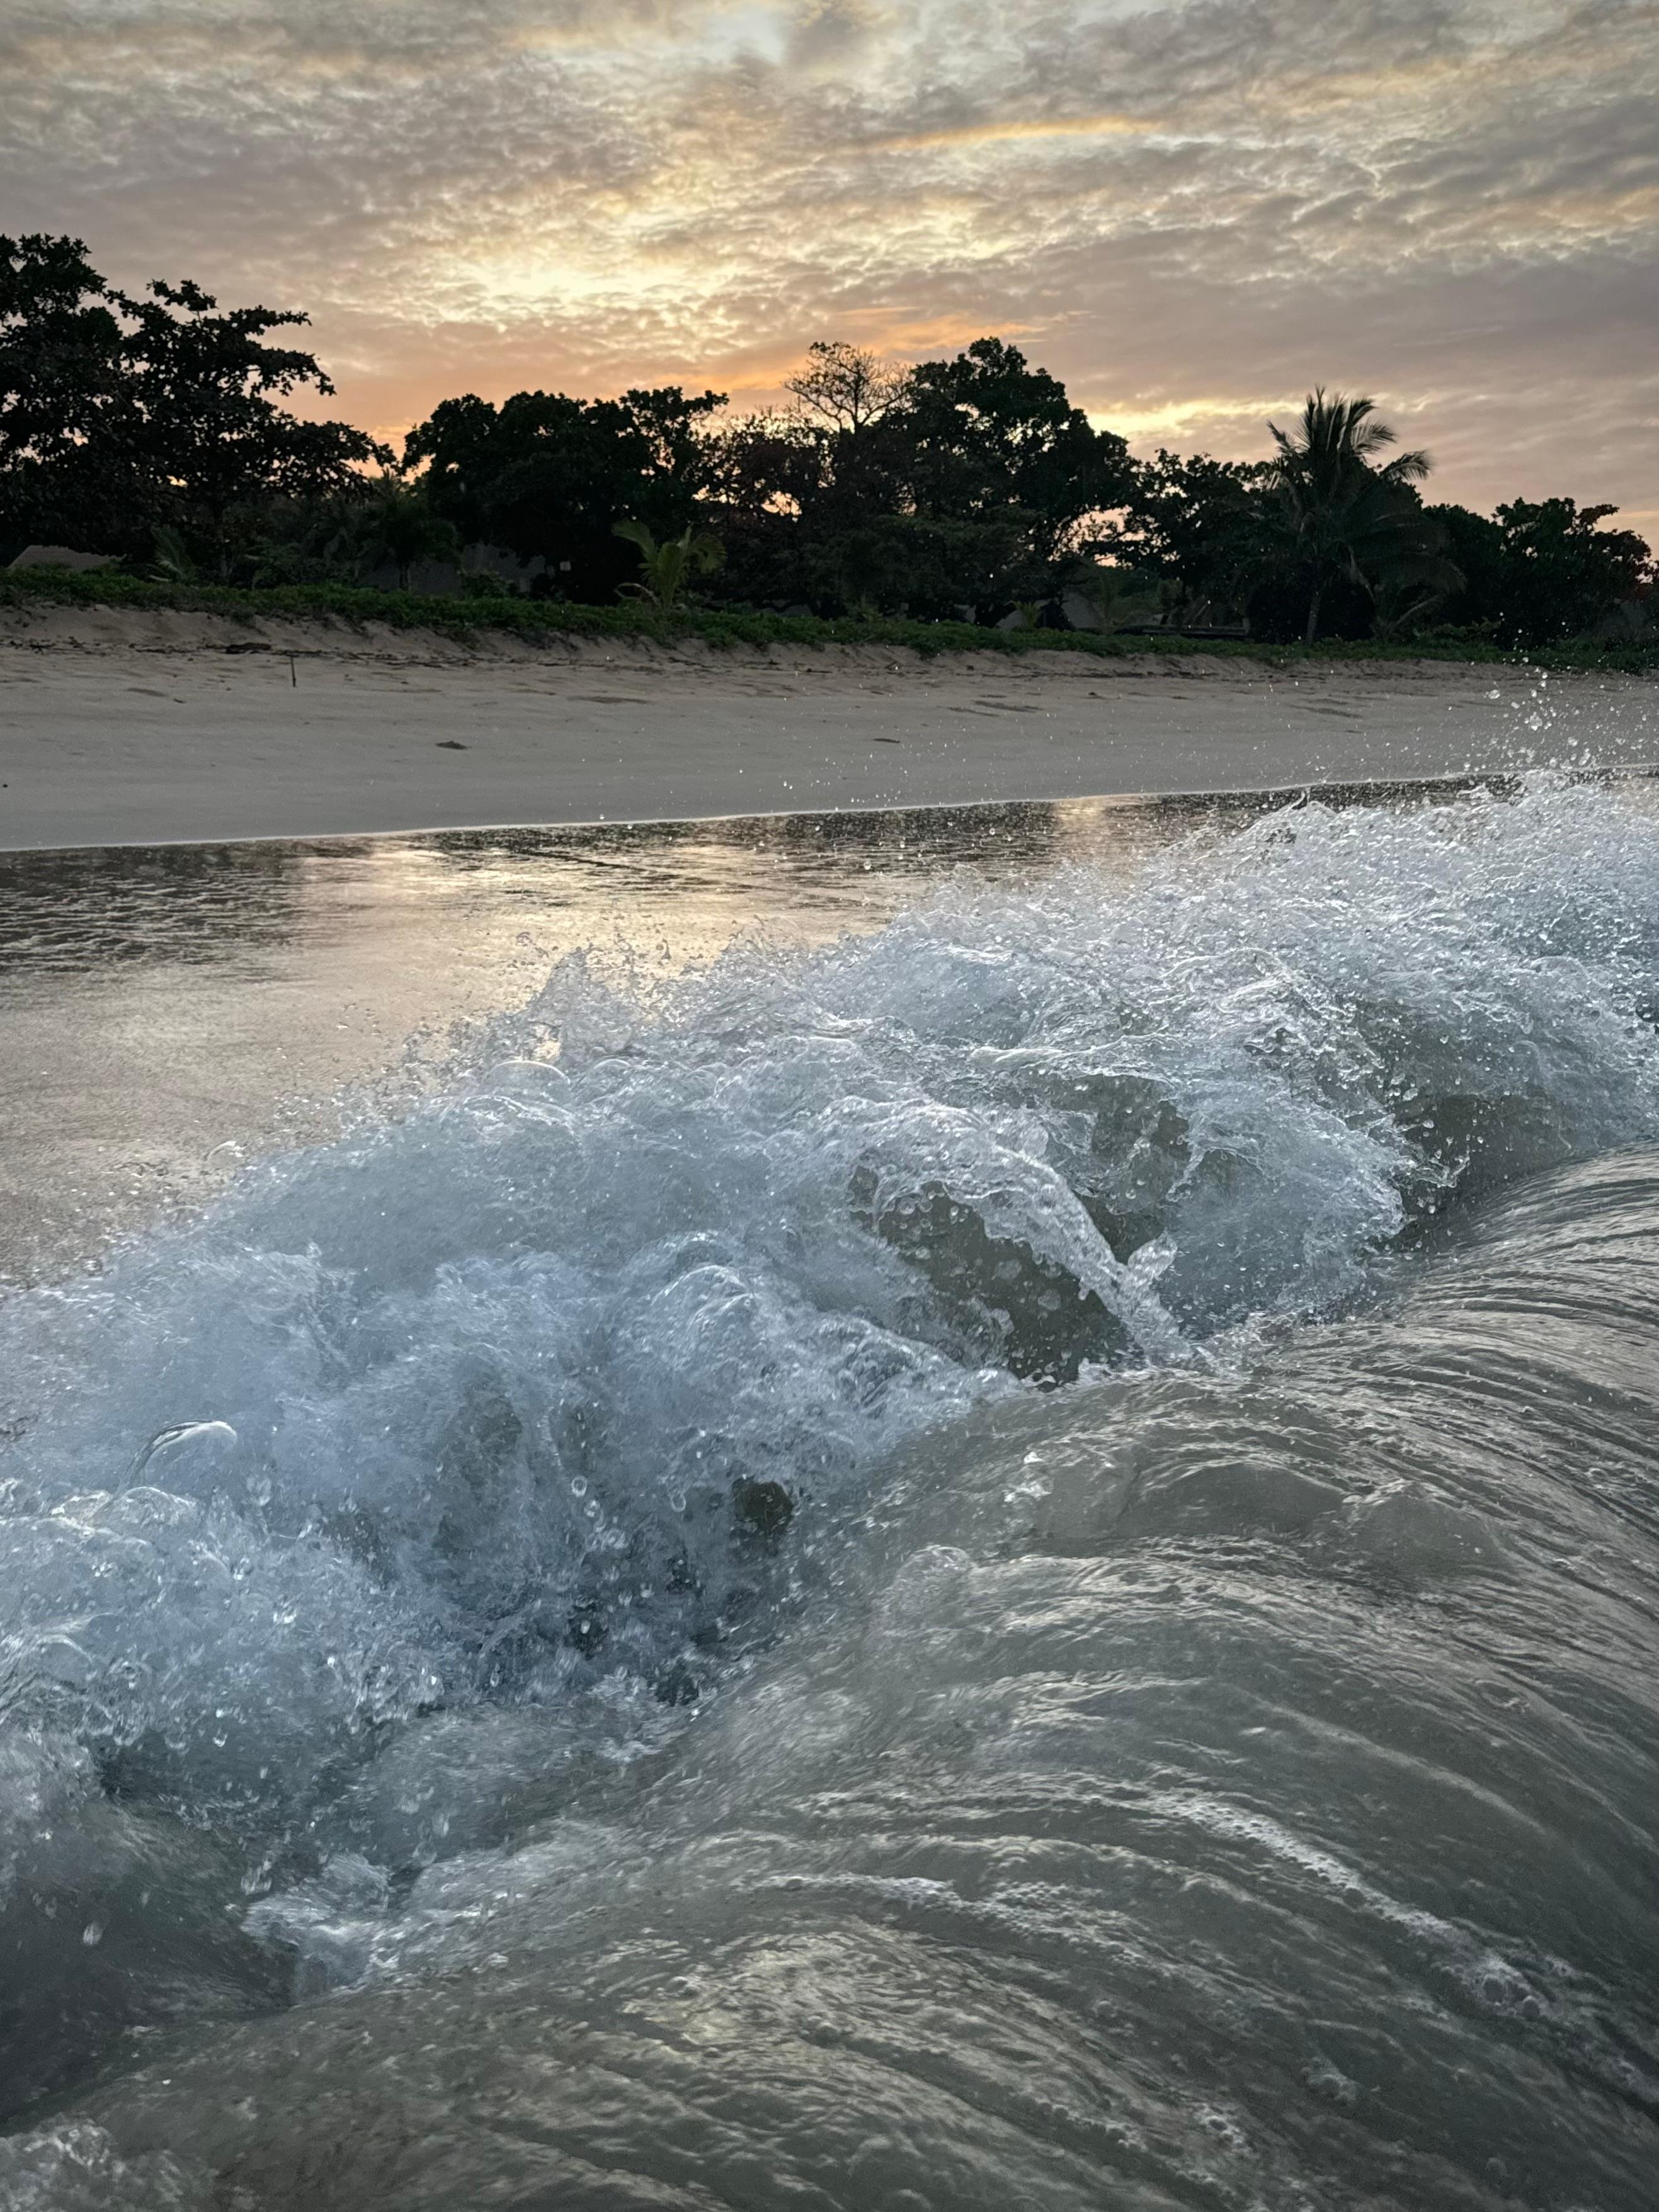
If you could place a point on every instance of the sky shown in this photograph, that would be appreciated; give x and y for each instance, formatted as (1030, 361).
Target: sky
(1190, 210)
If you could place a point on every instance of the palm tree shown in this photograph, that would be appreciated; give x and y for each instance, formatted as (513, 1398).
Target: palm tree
(173, 563)
(667, 569)
(401, 528)
(1347, 514)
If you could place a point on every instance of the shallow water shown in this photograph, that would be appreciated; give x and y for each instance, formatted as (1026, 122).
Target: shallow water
(1007, 1559)
(166, 1013)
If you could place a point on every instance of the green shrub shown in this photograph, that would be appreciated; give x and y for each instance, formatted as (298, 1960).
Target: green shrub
(481, 609)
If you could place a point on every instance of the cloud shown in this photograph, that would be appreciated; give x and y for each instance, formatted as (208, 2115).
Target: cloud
(833, 37)
(1191, 209)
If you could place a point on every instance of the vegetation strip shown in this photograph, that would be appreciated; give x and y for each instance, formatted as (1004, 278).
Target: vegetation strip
(547, 620)
(963, 503)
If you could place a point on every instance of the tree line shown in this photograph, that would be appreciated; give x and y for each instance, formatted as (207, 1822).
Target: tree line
(155, 427)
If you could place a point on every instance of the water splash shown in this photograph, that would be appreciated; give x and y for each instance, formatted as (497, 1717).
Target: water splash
(474, 1399)
(540, 1412)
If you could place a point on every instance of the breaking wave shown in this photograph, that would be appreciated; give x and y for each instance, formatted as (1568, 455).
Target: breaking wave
(1020, 1475)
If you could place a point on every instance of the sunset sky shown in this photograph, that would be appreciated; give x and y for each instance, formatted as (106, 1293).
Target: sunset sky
(1190, 211)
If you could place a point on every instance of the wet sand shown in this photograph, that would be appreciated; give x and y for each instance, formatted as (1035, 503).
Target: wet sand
(120, 728)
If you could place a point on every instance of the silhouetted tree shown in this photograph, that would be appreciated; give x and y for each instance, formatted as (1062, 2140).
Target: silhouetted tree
(60, 385)
(966, 484)
(1561, 572)
(845, 388)
(762, 475)
(1474, 544)
(544, 475)
(999, 443)
(1346, 515)
(398, 524)
(120, 414)
(1541, 571)
(809, 498)
(200, 414)
(1205, 526)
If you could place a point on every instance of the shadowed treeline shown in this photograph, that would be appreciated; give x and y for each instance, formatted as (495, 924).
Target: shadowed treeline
(152, 429)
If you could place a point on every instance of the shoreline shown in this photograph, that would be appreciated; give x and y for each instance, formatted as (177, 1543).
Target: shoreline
(1337, 793)
(120, 726)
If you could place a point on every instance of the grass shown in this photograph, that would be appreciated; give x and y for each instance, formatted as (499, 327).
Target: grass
(466, 617)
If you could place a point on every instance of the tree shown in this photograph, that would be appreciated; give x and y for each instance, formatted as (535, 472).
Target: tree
(397, 525)
(122, 415)
(59, 343)
(666, 570)
(966, 484)
(199, 414)
(547, 475)
(1562, 571)
(1474, 544)
(820, 488)
(995, 440)
(326, 540)
(845, 388)
(761, 475)
(60, 380)
(1542, 570)
(1346, 517)
(1207, 527)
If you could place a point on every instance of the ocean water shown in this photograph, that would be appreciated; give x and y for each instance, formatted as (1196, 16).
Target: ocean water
(168, 1011)
(1011, 1559)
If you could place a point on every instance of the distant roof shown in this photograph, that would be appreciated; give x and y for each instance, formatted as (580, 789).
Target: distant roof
(62, 556)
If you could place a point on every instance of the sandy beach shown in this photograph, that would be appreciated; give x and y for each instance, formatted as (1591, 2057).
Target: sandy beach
(120, 728)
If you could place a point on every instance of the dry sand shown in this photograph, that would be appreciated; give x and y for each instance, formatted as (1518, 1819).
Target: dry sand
(124, 728)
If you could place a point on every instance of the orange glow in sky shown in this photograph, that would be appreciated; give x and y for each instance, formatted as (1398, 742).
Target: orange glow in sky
(1189, 210)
